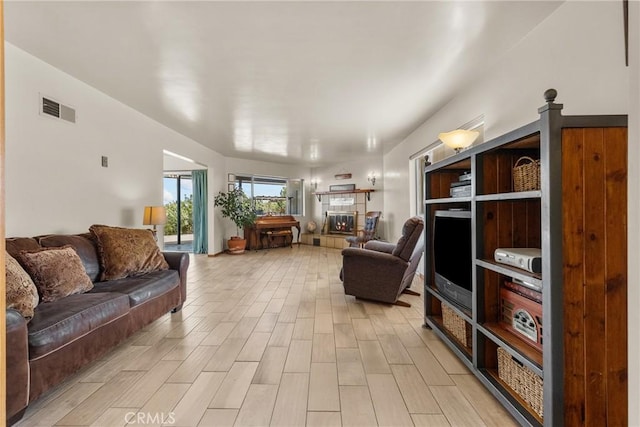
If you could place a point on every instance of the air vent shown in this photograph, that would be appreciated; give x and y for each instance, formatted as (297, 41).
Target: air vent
(54, 109)
(50, 107)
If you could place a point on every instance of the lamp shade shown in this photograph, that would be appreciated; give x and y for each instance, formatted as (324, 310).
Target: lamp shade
(459, 138)
(154, 215)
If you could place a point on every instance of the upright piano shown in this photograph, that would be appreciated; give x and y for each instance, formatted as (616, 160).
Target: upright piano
(271, 231)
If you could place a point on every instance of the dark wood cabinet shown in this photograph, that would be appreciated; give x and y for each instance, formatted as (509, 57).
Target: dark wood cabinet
(577, 218)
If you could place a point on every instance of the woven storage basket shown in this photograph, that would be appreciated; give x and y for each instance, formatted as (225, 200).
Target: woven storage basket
(526, 174)
(456, 325)
(521, 379)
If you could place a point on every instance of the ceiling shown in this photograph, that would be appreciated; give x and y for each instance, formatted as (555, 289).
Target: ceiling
(295, 82)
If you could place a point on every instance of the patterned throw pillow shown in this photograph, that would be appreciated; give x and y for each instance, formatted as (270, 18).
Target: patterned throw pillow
(21, 291)
(369, 224)
(57, 272)
(127, 252)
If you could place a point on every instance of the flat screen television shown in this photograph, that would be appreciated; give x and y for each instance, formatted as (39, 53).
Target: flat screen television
(452, 256)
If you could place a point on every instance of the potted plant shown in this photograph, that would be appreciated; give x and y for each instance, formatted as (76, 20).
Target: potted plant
(238, 208)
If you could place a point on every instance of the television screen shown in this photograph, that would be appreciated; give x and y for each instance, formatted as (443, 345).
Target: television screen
(452, 255)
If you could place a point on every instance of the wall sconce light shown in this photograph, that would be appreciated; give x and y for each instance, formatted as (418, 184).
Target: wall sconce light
(372, 179)
(314, 184)
(459, 139)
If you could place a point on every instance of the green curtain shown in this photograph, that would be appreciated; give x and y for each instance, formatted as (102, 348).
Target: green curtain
(200, 245)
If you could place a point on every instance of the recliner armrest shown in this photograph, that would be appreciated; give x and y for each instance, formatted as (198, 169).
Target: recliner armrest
(179, 261)
(17, 368)
(377, 245)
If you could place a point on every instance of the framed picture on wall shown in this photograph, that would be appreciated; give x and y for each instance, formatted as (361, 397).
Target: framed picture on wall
(231, 186)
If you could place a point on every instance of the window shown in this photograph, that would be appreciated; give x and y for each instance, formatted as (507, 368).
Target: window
(273, 195)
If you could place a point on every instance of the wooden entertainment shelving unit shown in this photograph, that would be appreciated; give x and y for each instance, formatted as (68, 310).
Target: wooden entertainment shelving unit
(578, 220)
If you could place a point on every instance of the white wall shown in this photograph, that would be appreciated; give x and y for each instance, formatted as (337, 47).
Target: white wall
(359, 170)
(577, 50)
(173, 163)
(634, 213)
(54, 179)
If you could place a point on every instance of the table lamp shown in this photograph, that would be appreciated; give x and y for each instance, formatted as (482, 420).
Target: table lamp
(154, 215)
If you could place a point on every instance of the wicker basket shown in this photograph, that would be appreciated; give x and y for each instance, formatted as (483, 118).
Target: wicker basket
(456, 325)
(521, 379)
(526, 174)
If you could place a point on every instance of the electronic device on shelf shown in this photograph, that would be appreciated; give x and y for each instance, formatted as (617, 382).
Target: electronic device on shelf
(465, 177)
(529, 259)
(460, 191)
(460, 188)
(515, 285)
(521, 316)
(452, 255)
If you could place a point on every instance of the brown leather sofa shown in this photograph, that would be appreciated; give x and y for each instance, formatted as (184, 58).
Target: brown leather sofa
(65, 335)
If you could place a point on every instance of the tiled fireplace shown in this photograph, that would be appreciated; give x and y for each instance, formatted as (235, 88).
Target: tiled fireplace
(334, 208)
(341, 222)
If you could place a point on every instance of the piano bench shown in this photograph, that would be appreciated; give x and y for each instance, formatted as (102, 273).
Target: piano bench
(285, 233)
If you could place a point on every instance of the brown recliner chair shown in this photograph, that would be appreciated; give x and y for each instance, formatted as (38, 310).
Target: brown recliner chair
(382, 271)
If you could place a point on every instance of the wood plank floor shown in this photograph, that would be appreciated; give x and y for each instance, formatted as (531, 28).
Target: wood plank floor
(269, 338)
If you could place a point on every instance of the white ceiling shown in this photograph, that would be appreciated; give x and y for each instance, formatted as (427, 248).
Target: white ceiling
(295, 82)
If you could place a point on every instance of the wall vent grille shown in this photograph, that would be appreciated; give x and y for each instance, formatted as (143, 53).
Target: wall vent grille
(52, 108)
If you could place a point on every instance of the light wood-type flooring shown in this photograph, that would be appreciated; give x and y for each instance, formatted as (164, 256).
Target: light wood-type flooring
(269, 338)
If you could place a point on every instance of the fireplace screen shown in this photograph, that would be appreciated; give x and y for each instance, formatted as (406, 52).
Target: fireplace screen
(342, 222)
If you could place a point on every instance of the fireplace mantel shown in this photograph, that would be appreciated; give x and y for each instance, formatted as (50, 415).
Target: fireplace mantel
(367, 191)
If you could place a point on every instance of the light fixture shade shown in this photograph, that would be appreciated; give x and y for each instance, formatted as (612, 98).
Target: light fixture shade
(154, 215)
(459, 138)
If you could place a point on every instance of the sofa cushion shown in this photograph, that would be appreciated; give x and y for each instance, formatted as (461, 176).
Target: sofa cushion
(61, 322)
(15, 245)
(57, 272)
(22, 294)
(84, 246)
(141, 288)
(126, 252)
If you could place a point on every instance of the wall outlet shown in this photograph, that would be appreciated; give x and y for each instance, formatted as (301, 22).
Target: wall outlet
(105, 162)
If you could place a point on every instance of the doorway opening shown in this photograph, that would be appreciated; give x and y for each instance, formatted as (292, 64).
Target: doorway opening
(178, 203)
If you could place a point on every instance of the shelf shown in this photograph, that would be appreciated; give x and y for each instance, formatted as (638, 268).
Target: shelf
(516, 195)
(367, 191)
(513, 272)
(530, 356)
(438, 327)
(457, 162)
(503, 218)
(448, 200)
(532, 141)
(466, 315)
(531, 416)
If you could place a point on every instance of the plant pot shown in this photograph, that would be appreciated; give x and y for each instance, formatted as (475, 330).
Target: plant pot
(236, 245)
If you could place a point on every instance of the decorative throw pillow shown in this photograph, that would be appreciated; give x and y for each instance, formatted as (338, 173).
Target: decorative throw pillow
(57, 272)
(127, 252)
(21, 291)
(369, 223)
